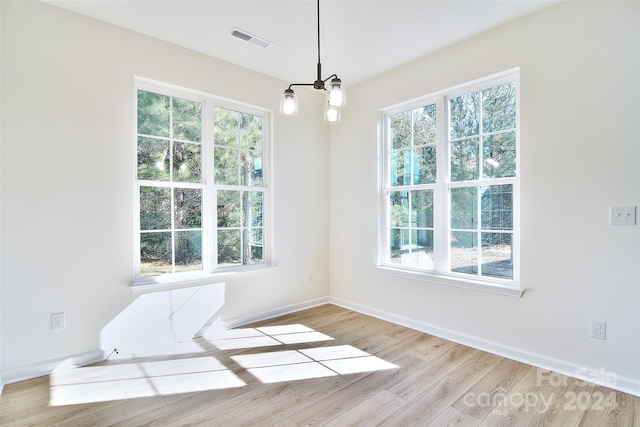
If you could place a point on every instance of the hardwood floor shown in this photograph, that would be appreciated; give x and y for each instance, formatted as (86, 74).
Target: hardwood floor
(323, 366)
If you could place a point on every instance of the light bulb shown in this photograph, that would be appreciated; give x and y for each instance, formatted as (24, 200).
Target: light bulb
(289, 106)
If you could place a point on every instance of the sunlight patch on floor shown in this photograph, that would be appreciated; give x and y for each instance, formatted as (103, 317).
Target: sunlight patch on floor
(134, 380)
(121, 381)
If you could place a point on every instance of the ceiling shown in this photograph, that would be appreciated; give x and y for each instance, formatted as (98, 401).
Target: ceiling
(359, 38)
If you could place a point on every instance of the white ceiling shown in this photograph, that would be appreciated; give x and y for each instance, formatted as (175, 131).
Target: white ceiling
(359, 38)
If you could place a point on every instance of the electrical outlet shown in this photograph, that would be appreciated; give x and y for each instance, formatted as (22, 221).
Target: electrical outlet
(57, 321)
(310, 280)
(599, 329)
(622, 215)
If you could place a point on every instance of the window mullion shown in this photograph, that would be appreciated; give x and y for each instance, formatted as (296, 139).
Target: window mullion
(441, 191)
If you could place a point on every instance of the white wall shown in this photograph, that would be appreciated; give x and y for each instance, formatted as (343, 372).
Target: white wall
(67, 190)
(580, 136)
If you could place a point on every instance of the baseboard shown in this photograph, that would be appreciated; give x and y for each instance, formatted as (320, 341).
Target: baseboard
(40, 369)
(585, 373)
(270, 314)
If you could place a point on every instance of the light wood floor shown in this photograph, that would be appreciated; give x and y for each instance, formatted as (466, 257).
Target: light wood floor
(323, 366)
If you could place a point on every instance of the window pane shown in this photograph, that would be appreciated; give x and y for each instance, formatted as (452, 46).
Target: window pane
(155, 208)
(421, 208)
(187, 162)
(464, 115)
(153, 114)
(499, 154)
(187, 120)
(399, 208)
(251, 168)
(226, 166)
(424, 159)
(188, 208)
(253, 209)
(497, 207)
(400, 165)
(499, 107)
(228, 208)
(228, 247)
(398, 244)
(464, 252)
(422, 255)
(250, 131)
(188, 250)
(497, 255)
(400, 130)
(465, 165)
(424, 125)
(153, 159)
(251, 248)
(155, 253)
(225, 128)
(464, 208)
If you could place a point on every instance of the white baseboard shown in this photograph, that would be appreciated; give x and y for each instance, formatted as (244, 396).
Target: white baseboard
(40, 369)
(593, 375)
(270, 314)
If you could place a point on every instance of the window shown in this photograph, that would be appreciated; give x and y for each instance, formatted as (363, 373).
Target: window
(450, 184)
(200, 185)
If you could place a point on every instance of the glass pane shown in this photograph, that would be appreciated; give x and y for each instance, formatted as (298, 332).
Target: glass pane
(465, 165)
(424, 159)
(421, 255)
(421, 208)
(225, 130)
(400, 130)
(153, 114)
(250, 131)
(188, 250)
(499, 107)
(187, 162)
(400, 167)
(252, 202)
(256, 246)
(153, 159)
(155, 253)
(497, 255)
(228, 208)
(497, 207)
(187, 120)
(228, 247)
(499, 154)
(398, 244)
(251, 249)
(188, 208)
(155, 208)
(464, 115)
(251, 168)
(464, 252)
(226, 166)
(399, 208)
(464, 208)
(424, 125)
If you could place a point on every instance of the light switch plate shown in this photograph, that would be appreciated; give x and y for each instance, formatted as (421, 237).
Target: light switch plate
(622, 215)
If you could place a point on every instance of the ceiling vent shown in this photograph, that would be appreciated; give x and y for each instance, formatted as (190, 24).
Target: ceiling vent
(248, 37)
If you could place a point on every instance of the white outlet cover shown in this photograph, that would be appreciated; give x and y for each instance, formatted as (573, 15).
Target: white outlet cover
(57, 321)
(598, 329)
(622, 215)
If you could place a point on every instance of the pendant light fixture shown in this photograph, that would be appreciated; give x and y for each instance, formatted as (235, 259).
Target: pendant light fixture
(335, 94)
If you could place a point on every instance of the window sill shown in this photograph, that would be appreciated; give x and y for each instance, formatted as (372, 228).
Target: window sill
(440, 279)
(167, 283)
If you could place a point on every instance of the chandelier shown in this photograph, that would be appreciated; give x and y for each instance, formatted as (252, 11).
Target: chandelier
(335, 93)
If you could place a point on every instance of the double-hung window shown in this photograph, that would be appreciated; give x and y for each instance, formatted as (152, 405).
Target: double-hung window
(201, 187)
(450, 185)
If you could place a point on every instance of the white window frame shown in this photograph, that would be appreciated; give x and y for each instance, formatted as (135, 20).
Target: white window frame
(441, 188)
(210, 272)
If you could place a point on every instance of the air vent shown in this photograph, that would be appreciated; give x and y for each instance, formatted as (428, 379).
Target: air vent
(248, 37)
